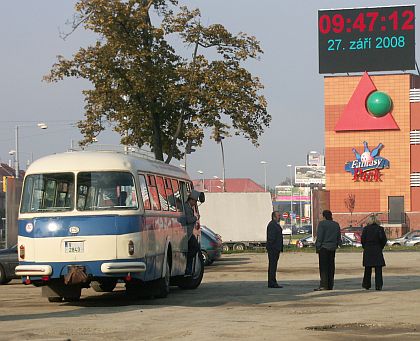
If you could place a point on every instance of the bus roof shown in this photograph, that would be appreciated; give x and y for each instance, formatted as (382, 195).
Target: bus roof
(90, 161)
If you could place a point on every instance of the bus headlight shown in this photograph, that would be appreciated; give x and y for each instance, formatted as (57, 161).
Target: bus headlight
(130, 248)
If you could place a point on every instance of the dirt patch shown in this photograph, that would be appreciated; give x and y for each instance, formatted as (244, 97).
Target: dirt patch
(360, 328)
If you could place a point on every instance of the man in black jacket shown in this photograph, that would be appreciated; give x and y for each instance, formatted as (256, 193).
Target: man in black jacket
(274, 247)
(328, 238)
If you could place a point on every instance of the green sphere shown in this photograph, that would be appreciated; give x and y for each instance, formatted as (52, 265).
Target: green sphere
(379, 103)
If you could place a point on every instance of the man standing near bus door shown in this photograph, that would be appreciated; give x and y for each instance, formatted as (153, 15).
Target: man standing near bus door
(191, 220)
(274, 247)
(328, 238)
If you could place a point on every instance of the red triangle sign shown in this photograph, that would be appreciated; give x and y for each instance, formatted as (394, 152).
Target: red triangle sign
(355, 115)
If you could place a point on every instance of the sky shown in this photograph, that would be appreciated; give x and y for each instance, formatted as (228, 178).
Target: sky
(287, 31)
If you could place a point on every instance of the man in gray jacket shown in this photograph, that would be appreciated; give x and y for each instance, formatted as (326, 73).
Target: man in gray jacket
(191, 219)
(328, 238)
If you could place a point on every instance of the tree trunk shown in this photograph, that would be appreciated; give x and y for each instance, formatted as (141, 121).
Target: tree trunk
(157, 140)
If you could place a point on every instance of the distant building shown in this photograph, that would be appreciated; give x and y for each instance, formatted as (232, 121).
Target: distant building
(231, 185)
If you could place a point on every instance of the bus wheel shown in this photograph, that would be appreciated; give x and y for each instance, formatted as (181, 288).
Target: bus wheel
(55, 299)
(104, 286)
(162, 284)
(194, 281)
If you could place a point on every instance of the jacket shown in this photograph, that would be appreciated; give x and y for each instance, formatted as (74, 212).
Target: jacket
(190, 219)
(373, 241)
(274, 237)
(328, 235)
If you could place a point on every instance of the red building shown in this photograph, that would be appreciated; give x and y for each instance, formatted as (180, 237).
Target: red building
(230, 185)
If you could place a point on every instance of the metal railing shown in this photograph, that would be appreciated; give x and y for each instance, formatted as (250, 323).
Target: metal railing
(386, 218)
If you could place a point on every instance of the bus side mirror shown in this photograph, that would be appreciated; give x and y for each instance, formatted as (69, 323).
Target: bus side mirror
(202, 197)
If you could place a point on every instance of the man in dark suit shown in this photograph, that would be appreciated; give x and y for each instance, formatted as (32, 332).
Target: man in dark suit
(274, 247)
(328, 238)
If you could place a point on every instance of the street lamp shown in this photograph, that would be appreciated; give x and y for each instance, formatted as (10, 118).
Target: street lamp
(291, 194)
(40, 125)
(202, 177)
(264, 163)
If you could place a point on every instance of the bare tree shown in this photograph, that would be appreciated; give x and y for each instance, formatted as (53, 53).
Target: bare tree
(350, 203)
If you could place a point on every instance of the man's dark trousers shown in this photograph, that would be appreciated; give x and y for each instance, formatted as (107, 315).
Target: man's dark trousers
(326, 268)
(273, 259)
(193, 248)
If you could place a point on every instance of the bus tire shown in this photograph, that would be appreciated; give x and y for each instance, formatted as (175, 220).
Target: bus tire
(162, 284)
(104, 286)
(3, 278)
(194, 281)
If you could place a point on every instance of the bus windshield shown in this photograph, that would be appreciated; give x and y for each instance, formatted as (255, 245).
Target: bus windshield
(105, 191)
(48, 193)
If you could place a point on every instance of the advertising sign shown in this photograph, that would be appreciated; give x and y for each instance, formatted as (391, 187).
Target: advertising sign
(366, 39)
(367, 165)
(307, 175)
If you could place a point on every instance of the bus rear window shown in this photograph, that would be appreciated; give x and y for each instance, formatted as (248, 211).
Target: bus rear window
(106, 191)
(48, 193)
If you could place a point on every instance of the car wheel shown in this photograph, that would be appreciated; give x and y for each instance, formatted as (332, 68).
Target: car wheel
(396, 244)
(416, 244)
(225, 248)
(206, 258)
(3, 278)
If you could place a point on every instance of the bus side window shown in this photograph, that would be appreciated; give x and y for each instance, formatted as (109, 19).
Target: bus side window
(183, 191)
(154, 196)
(170, 195)
(144, 192)
(162, 193)
(177, 195)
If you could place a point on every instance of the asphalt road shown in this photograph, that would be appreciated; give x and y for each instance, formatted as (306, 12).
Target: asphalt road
(233, 303)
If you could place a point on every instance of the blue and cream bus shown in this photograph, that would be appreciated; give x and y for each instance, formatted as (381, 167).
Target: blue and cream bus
(96, 218)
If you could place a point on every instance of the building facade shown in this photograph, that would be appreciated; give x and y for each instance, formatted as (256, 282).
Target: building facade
(372, 159)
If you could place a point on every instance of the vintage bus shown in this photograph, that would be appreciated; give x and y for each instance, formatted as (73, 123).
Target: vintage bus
(96, 218)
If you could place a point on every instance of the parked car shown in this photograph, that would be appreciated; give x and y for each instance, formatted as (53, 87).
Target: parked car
(211, 245)
(8, 263)
(402, 240)
(347, 241)
(353, 232)
(305, 242)
(415, 241)
(305, 229)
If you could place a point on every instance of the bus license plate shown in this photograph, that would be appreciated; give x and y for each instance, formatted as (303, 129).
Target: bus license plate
(74, 247)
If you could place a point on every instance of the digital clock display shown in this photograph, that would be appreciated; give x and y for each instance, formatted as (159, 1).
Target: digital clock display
(366, 39)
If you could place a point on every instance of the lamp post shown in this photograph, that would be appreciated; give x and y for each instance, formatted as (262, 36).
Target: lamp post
(291, 194)
(39, 125)
(264, 163)
(202, 177)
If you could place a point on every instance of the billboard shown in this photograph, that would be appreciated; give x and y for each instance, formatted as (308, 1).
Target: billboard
(366, 39)
(310, 175)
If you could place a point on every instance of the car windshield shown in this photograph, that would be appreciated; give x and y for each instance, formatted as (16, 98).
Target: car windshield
(48, 193)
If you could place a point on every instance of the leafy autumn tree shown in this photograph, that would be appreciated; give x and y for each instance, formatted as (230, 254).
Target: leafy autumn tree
(142, 86)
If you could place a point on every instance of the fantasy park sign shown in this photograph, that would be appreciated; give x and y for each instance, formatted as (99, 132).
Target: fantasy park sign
(367, 165)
